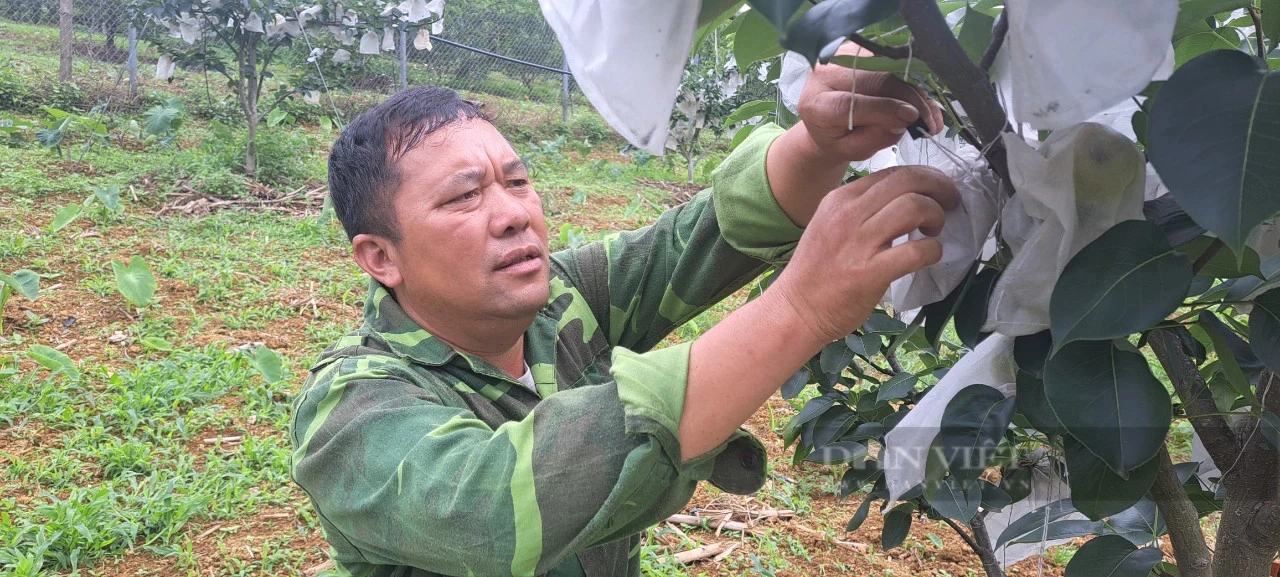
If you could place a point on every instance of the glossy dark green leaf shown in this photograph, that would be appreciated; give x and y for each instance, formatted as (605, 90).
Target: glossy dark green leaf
(937, 314)
(1029, 528)
(1109, 401)
(1141, 524)
(957, 499)
(1113, 556)
(1099, 492)
(64, 217)
(795, 384)
(1264, 329)
(1271, 21)
(1062, 529)
(865, 346)
(818, 33)
(755, 39)
(816, 406)
(1034, 406)
(901, 385)
(860, 516)
(1031, 351)
(1016, 482)
(1223, 264)
(1203, 39)
(975, 33)
(897, 525)
(971, 311)
(778, 12)
(993, 497)
(750, 110)
(838, 453)
(835, 357)
(1214, 142)
(1243, 287)
(858, 475)
(882, 324)
(833, 423)
(712, 15)
(1125, 281)
(971, 428)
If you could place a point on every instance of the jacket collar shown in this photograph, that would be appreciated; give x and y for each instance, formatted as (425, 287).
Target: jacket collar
(384, 316)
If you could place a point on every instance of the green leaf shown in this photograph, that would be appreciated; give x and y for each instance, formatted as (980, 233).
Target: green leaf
(882, 324)
(1202, 41)
(277, 116)
(957, 499)
(835, 357)
(755, 40)
(971, 311)
(109, 196)
(865, 346)
(822, 29)
(1235, 357)
(713, 14)
(860, 516)
(975, 33)
(1192, 13)
(159, 120)
(858, 475)
(64, 217)
(750, 110)
(897, 525)
(1125, 281)
(22, 281)
(971, 428)
(1264, 329)
(838, 453)
(833, 423)
(1016, 482)
(738, 138)
(816, 406)
(1214, 142)
(1034, 406)
(1030, 527)
(54, 360)
(1142, 523)
(795, 384)
(157, 343)
(135, 281)
(1224, 264)
(49, 137)
(1113, 556)
(1109, 401)
(1031, 351)
(1099, 492)
(268, 363)
(1271, 22)
(993, 497)
(901, 385)
(777, 12)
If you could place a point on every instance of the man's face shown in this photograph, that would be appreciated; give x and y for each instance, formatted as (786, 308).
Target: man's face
(473, 239)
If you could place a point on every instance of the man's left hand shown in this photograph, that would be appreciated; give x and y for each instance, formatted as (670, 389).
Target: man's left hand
(883, 108)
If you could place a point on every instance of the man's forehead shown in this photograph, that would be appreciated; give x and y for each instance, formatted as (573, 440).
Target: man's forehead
(466, 144)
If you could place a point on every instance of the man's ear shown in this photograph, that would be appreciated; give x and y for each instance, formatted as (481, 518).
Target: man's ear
(377, 256)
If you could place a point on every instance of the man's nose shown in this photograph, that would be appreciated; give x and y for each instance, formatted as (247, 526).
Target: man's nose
(509, 214)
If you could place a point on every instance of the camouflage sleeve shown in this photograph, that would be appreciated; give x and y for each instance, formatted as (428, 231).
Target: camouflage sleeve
(401, 474)
(642, 284)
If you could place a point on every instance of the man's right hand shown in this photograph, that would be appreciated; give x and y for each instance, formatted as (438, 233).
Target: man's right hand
(845, 261)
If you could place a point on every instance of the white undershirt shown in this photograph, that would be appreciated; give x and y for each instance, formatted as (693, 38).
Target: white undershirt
(527, 379)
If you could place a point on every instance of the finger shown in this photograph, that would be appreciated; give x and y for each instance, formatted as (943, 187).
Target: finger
(831, 109)
(923, 180)
(903, 215)
(908, 257)
(938, 122)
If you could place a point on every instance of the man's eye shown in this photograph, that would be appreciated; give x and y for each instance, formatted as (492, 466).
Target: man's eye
(519, 183)
(465, 196)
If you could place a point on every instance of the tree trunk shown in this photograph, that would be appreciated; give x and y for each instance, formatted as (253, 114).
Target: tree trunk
(985, 550)
(66, 40)
(691, 161)
(251, 103)
(1249, 534)
(1180, 516)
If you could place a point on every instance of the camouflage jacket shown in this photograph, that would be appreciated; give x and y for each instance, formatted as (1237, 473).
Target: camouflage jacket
(421, 460)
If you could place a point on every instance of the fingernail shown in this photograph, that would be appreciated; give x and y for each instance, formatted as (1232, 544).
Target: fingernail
(898, 131)
(908, 113)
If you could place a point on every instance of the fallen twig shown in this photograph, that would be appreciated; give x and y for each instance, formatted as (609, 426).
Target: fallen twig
(207, 532)
(230, 440)
(700, 553)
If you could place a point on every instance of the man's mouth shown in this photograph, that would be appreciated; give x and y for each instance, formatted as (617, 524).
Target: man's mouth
(514, 259)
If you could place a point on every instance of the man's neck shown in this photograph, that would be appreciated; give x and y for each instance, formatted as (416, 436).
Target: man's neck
(500, 342)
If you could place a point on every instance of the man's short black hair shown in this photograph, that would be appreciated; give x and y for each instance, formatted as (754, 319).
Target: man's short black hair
(363, 176)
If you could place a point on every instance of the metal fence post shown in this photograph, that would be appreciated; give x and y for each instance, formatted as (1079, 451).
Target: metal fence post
(404, 58)
(564, 89)
(133, 62)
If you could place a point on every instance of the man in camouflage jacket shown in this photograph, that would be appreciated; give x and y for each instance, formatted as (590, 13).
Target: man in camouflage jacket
(500, 411)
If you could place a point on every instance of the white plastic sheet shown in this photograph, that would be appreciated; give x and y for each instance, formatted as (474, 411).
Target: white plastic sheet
(1081, 182)
(164, 67)
(628, 58)
(906, 445)
(1046, 487)
(369, 42)
(1067, 61)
